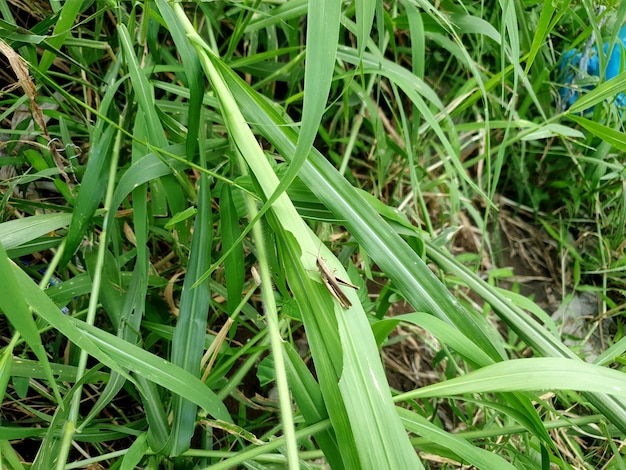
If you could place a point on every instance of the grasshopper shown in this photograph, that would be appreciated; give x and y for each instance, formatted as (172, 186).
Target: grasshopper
(334, 283)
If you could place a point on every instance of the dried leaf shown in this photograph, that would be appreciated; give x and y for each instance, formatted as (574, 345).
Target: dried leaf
(20, 68)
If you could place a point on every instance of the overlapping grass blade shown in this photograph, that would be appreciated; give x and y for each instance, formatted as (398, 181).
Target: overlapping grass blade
(91, 192)
(458, 446)
(413, 278)
(392, 254)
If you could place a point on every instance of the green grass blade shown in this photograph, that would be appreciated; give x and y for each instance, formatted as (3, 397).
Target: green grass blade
(146, 169)
(324, 28)
(605, 91)
(321, 49)
(379, 435)
(234, 264)
(533, 333)
(165, 192)
(136, 453)
(445, 334)
(62, 28)
(13, 304)
(15, 233)
(317, 310)
(364, 18)
(188, 341)
(541, 33)
(48, 310)
(118, 354)
(12, 459)
(92, 189)
(466, 452)
(143, 90)
(519, 375)
(155, 369)
(127, 329)
(306, 391)
(614, 137)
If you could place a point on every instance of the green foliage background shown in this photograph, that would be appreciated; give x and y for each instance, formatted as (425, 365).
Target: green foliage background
(188, 163)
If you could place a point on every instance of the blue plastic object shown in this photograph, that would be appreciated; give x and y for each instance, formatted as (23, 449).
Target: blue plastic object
(578, 66)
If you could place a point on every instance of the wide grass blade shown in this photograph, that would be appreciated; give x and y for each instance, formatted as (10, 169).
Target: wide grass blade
(15, 233)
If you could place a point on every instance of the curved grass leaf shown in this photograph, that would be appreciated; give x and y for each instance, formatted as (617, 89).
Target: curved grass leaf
(614, 137)
(118, 354)
(520, 375)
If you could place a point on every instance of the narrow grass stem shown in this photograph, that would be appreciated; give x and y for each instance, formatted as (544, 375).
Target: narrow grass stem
(45, 280)
(271, 314)
(70, 425)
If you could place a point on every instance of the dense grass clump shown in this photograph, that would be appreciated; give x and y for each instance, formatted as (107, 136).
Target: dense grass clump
(310, 234)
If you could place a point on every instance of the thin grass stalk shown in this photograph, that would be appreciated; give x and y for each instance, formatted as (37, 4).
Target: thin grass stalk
(271, 314)
(71, 423)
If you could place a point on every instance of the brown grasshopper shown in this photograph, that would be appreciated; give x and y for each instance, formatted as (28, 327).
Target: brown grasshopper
(334, 283)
